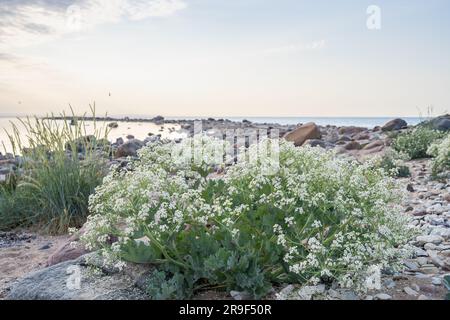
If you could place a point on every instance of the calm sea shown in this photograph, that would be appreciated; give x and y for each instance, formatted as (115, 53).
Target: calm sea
(141, 129)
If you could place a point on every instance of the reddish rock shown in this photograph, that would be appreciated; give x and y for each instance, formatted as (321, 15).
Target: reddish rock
(303, 133)
(353, 145)
(68, 251)
(362, 136)
(375, 144)
(351, 130)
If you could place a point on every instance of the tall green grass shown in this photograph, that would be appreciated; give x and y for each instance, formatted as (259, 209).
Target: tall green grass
(52, 186)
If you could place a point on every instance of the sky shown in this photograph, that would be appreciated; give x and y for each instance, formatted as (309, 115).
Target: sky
(225, 57)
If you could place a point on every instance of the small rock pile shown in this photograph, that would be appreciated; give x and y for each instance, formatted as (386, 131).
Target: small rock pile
(9, 239)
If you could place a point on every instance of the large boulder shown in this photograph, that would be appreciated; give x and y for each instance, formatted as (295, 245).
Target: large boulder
(58, 282)
(129, 148)
(394, 125)
(303, 133)
(441, 123)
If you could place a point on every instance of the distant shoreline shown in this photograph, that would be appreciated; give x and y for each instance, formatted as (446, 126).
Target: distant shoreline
(367, 122)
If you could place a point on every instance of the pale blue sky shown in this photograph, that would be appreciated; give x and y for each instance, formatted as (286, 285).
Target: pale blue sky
(225, 57)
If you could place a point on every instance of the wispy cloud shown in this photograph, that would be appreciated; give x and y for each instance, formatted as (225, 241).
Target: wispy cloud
(26, 22)
(293, 48)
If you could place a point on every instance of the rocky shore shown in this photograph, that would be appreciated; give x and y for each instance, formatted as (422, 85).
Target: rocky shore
(357, 141)
(428, 204)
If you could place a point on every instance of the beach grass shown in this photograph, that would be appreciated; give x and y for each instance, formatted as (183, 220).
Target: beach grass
(60, 167)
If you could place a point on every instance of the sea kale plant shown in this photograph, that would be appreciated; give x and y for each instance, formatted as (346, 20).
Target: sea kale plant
(319, 219)
(416, 142)
(394, 163)
(441, 153)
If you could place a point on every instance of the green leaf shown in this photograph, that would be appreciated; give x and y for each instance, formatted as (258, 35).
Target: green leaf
(138, 252)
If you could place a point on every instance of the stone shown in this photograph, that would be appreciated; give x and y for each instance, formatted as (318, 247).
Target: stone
(353, 145)
(389, 283)
(446, 264)
(420, 252)
(286, 291)
(303, 133)
(422, 260)
(434, 239)
(393, 125)
(158, 119)
(441, 123)
(429, 270)
(152, 139)
(238, 295)
(410, 291)
(70, 250)
(382, 296)
(437, 261)
(423, 297)
(308, 292)
(364, 135)
(45, 246)
(436, 208)
(58, 282)
(429, 246)
(436, 281)
(415, 287)
(129, 148)
(446, 197)
(79, 145)
(373, 145)
(411, 265)
(442, 232)
(130, 137)
(351, 130)
(113, 125)
(316, 143)
(445, 253)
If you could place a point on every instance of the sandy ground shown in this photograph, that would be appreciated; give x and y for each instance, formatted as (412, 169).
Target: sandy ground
(22, 253)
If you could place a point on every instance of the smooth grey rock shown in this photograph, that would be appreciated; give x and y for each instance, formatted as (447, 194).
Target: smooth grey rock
(53, 283)
(237, 295)
(441, 123)
(129, 148)
(411, 265)
(440, 231)
(434, 239)
(389, 283)
(287, 290)
(382, 296)
(429, 269)
(410, 291)
(307, 292)
(422, 260)
(420, 252)
(436, 281)
(395, 124)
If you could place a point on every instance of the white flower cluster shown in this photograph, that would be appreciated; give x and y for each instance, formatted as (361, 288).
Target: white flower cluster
(328, 218)
(441, 153)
